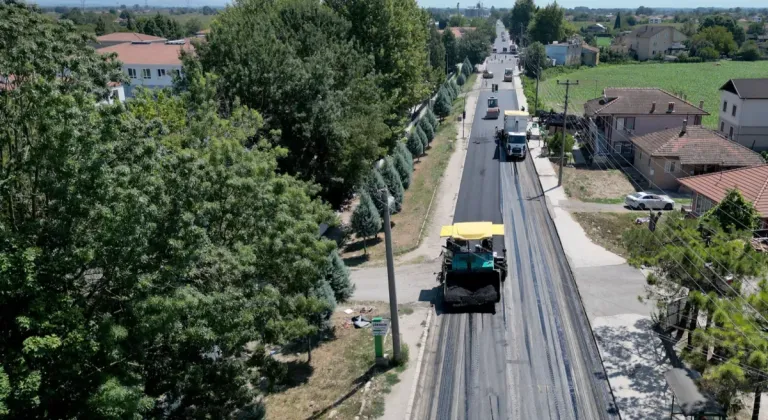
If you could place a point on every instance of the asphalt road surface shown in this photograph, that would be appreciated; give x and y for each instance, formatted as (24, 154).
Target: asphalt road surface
(534, 357)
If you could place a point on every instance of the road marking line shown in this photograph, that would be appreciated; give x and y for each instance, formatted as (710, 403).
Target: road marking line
(423, 347)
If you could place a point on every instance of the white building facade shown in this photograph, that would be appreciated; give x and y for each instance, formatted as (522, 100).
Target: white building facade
(743, 112)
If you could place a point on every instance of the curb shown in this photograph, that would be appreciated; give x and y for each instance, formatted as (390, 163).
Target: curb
(422, 348)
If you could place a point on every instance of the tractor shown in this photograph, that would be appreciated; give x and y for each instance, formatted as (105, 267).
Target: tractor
(493, 108)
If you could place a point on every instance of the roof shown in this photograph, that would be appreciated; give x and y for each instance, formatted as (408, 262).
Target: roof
(472, 230)
(747, 88)
(751, 182)
(156, 53)
(458, 31)
(647, 31)
(639, 101)
(697, 146)
(513, 113)
(128, 37)
(687, 395)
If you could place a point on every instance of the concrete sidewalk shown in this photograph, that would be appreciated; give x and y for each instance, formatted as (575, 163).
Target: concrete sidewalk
(632, 354)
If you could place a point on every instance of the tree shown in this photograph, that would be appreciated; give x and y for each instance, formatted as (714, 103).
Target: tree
(443, 105)
(422, 136)
(455, 88)
(466, 67)
(394, 33)
(426, 127)
(404, 169)
(631, 20)
(376, 188)
(535, 59)
(366, 221)
(430, 116)
(414, 145)
(716, 37)
(393, 181)
(402, 149)
(337, 274)
(451, 48)
(437, 54)
(449, 91)
(689, 28)
(749, 51)
(474, 47)
(207, 11)
(461, 80)
(158, 251)
(642, 10)
(756, 28)
(548, 24)
(339, 126)
(734, 213)
(101, 27)
(727, 22)
(617, 24)
(193, 26)
(521, 16)
(555, 143)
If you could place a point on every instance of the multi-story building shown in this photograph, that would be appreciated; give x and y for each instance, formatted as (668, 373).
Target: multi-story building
(649, 41)
(565, 53)
(744, 112)
(149, 64)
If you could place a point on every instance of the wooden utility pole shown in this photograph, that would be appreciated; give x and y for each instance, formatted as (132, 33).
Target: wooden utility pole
(567, 84)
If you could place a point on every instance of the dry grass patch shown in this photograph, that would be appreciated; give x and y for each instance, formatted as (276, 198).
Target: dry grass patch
(606, 229)
(334, 381)
(427, 172)
(596, 186)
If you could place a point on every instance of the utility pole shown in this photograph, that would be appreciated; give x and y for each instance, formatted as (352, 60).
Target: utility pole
(567, 84)
(391, 277)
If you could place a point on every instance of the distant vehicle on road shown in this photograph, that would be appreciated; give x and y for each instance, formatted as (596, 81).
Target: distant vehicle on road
(472, 271)
(504, 50)
(512, 49)
(508, 74)
(648, 201)
(487, 74)
(494, 50)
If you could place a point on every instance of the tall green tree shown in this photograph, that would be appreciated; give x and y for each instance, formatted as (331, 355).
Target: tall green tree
(437, 54)
(376, 188)
(404, 169)
(430, 116)
(393, 181)
(422, 136)
(337, 276)
(548, 24)
(521, 17)
(451, 48)
(140, 258)
(727, 22)
(717, 37)
(535, 60)
(366, 221)
(426, 127)
(473, 46)
(319, 95)
(617, 23)
(394, 34)
(443, 105)
(414, 145)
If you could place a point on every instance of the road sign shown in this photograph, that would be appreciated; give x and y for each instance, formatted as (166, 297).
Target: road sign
(380, 327)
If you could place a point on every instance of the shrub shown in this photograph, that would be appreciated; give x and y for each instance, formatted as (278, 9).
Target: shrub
(432, 120)
(366, 221)
(443, 104)
(456, 89)
(375, 186)
(393, 181)
(422, 136)
(414, 144)
(404, 169)
(554, 144)
(461, 80)
(337, 275)
(403, 150)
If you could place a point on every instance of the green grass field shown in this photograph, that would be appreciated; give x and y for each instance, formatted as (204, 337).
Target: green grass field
(696, 81)
(603, 41)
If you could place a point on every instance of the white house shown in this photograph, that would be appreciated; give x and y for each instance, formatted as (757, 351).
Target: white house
(116, 93)
(655, 20)
(149, 64)
(757, 19)
(564, 53)
(744, 112)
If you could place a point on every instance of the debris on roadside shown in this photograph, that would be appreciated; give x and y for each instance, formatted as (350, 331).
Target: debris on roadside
(360, 321)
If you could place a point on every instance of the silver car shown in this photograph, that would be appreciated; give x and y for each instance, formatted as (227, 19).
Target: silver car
(644, 201)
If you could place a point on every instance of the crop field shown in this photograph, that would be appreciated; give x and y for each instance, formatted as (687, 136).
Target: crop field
(603, 41)
(693, 81)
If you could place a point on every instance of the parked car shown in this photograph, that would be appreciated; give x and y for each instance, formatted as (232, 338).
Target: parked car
(644, 200)
(487, 74)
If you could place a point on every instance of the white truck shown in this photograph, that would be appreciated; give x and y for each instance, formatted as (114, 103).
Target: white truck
(513, 136)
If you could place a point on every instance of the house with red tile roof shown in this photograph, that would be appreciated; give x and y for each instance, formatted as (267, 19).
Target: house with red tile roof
(708, 190)
(664, 156)
(115, 38)
(458, 31)
(149, 64)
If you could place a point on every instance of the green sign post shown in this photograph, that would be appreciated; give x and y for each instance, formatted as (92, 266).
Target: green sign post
(380, 327)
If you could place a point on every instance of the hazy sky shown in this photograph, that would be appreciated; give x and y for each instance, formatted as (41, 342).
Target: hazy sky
(598, 3)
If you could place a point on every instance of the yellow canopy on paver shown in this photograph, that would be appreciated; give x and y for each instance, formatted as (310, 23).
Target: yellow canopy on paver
(472, 230)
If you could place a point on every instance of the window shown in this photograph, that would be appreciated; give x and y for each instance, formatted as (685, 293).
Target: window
(730, 133)
(725, 106)
(160, 72)
(115, 95)
(145, 73)
(669, 166)
(617, 147)
(629, 123)
(701, 204)
(132, 73)
(722, 127)
(653, 52)
(733, 111)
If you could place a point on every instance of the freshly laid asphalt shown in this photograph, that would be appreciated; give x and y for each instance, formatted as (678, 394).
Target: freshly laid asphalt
(535, 356)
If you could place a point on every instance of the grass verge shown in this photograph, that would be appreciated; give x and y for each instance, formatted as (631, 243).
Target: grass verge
(596, 186)
(335, 379)
(606, 229)
(427, 172)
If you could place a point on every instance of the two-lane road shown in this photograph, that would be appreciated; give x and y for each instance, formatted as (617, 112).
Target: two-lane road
(535, 357)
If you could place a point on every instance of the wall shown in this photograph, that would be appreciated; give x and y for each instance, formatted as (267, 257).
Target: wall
(655, 171)
(154, 81)
(750, 125)
(564, 54)
(645, 124)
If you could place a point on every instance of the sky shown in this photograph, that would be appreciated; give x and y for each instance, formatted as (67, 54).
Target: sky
(597, 4)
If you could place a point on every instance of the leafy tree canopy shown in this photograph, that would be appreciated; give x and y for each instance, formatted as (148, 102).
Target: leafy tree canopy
(548, 24)
(728, 22)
